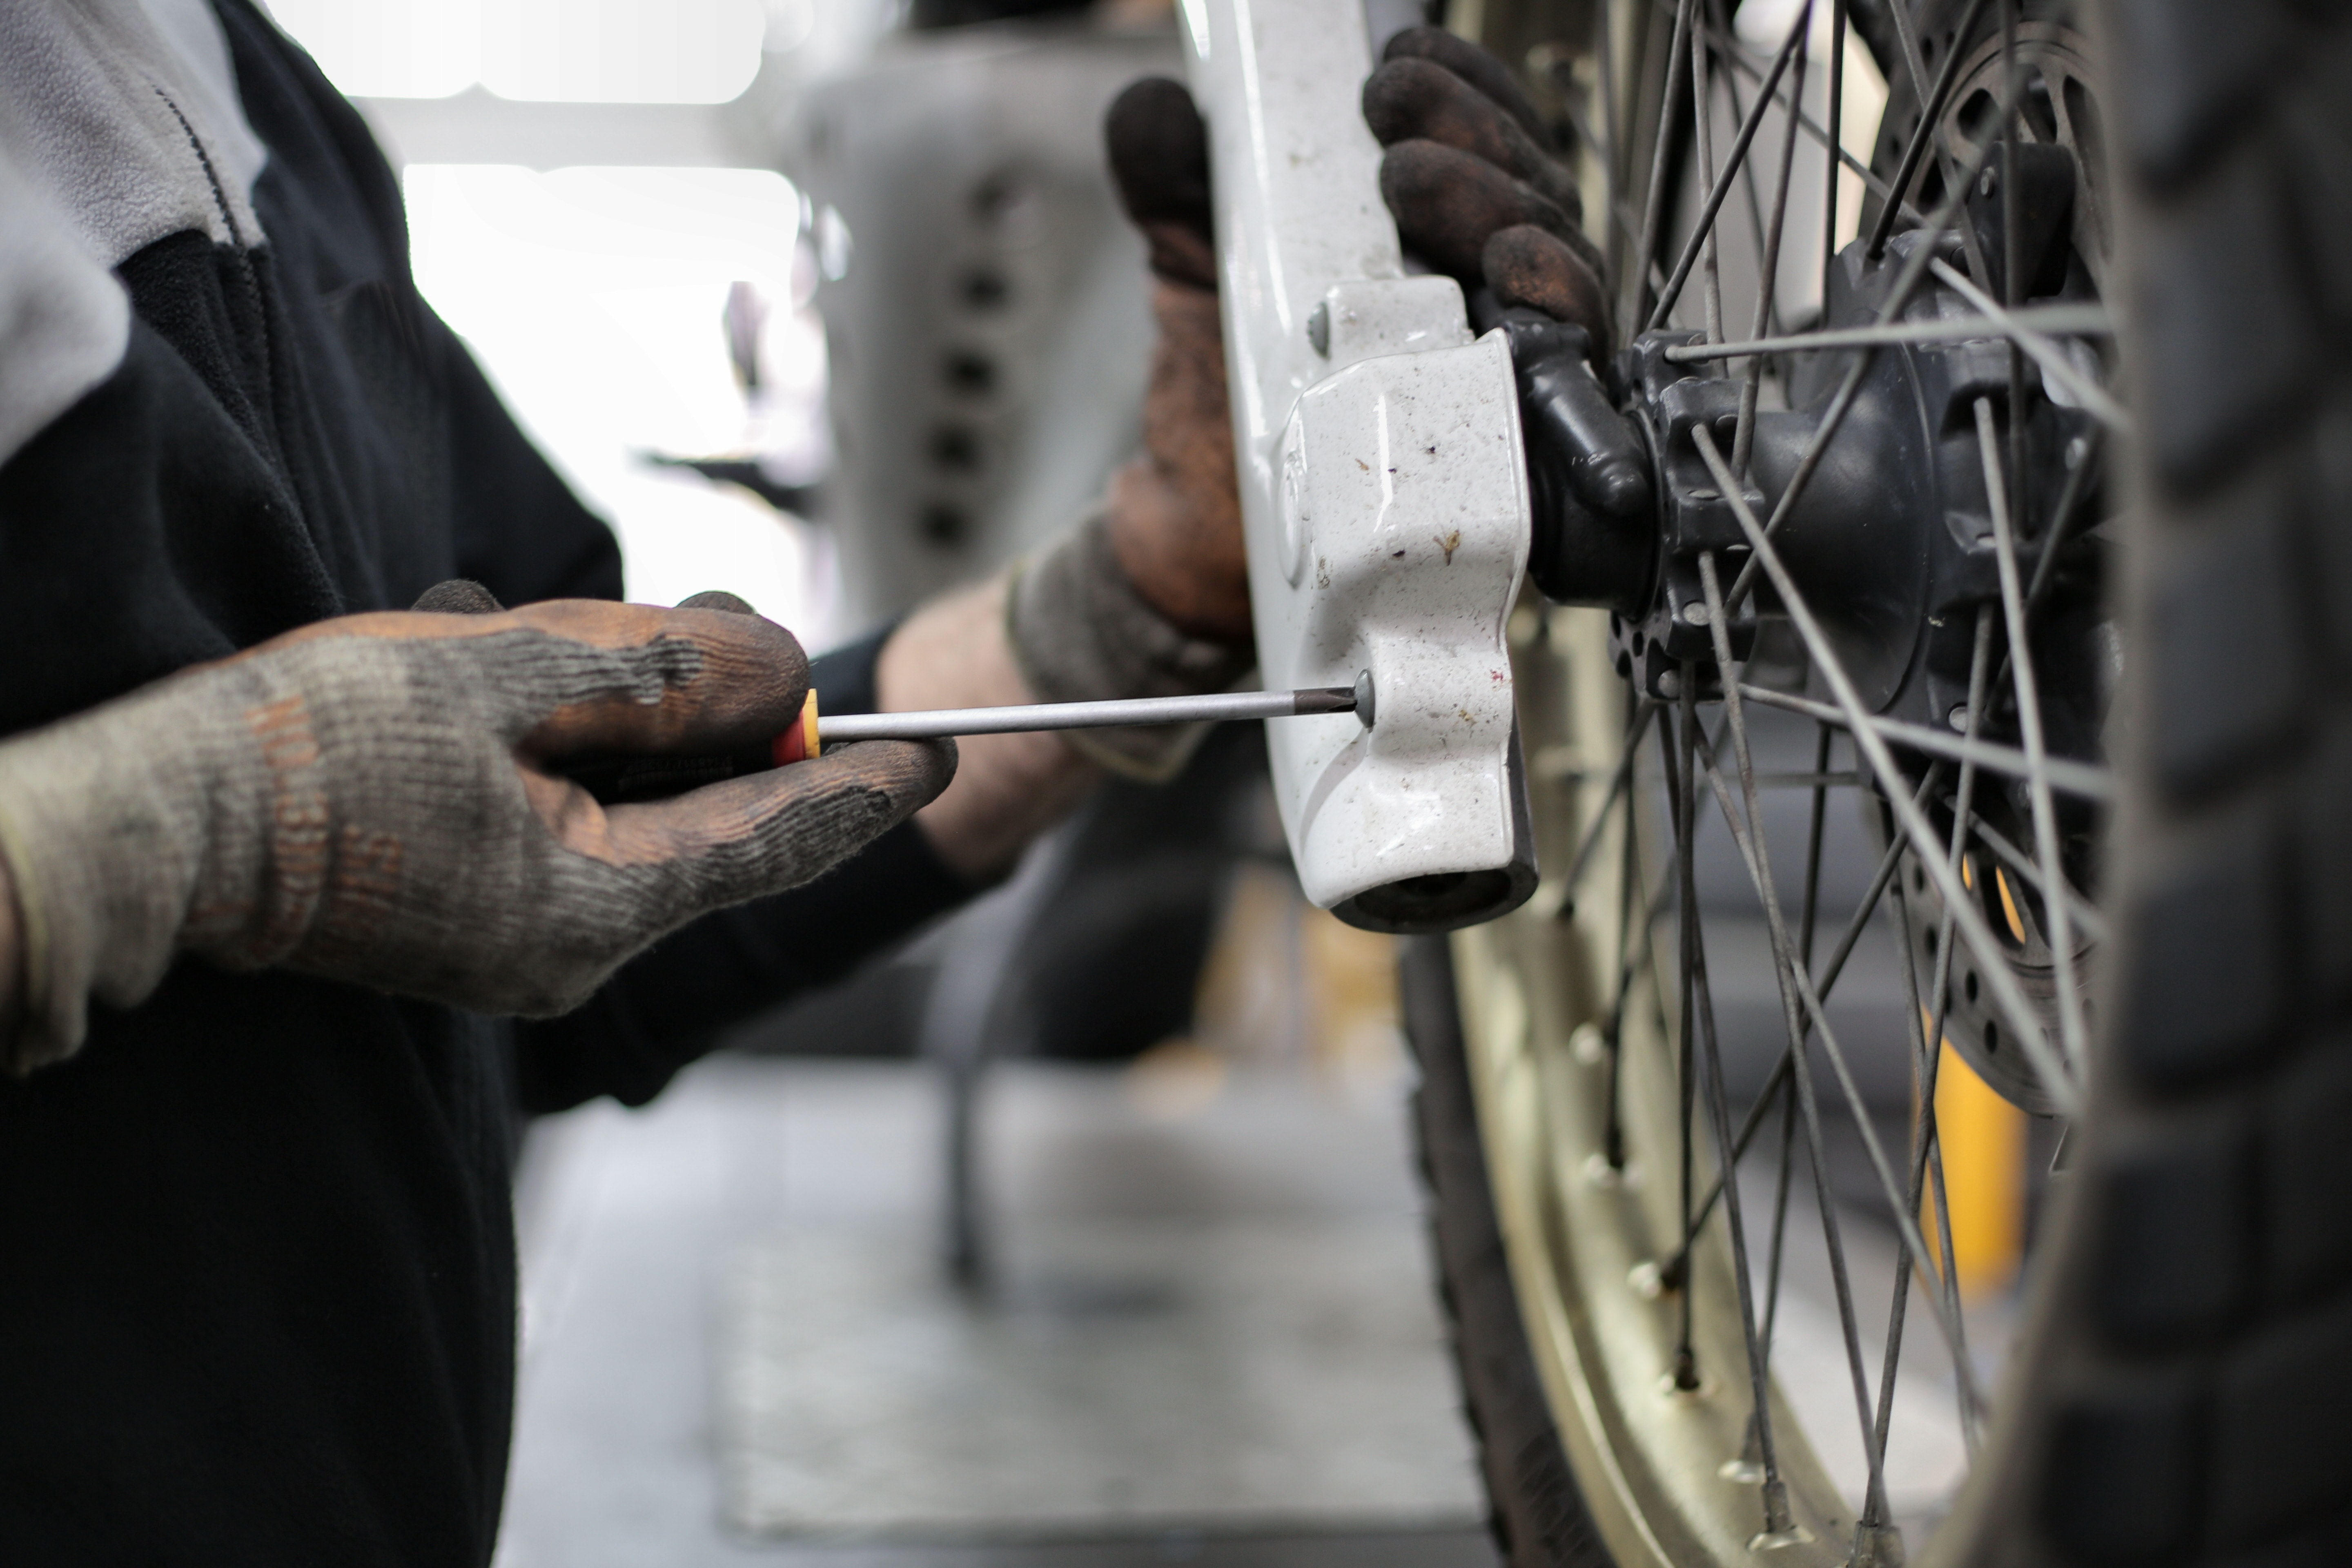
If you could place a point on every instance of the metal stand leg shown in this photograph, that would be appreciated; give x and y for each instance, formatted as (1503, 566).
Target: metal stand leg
(959, 1023)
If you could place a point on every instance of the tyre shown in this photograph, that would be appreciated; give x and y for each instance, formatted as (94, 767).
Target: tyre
(2112, 856)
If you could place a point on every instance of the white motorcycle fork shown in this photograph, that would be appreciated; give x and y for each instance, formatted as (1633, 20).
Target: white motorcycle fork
(1382, 484)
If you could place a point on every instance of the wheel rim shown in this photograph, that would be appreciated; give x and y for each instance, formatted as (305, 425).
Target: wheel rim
(1587, 1014)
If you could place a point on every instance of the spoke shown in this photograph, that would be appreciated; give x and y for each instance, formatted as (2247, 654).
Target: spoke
(1926, 1175)
(1931, 1150)
(2083, 779)
(1860, 922)
(1634, 950)
(1767, 287)
(1729, 50)
(1613, 1142)
(1777, 1518)
(1836, 116)
(1722, 187)
(1788, 1132)
(1823, 738)
(2012, 289)
(1605, 76)
(1897, 297)
(1703, 107)
(1812, 1003)
(2061, 521)
(1927, 1062)
(1747, 171)
(1618, 782)
(1619, 214)
(2057, 1082)
(1677, 745)
(1929, 122)
(1874, 1521)
(1654, 199)
(2045, 352)
(2084, 912)
(1815, 782)
(1786, 969)
(2069, 320)
(2029, 723)
(1913, 63)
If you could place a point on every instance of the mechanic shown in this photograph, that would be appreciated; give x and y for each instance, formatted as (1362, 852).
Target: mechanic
(298, 914)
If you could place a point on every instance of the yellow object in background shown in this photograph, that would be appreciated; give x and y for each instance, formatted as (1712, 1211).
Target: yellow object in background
(1983, 1139)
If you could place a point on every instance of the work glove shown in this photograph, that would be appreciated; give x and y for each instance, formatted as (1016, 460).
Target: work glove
(1149, 597)
(1468, 175)
(379, 799)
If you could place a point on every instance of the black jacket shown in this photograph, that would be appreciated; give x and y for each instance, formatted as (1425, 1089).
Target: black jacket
(257, 1277)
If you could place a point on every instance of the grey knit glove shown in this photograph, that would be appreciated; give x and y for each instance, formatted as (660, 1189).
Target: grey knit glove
(371, 800)
(1082, 632)
(1149, 597)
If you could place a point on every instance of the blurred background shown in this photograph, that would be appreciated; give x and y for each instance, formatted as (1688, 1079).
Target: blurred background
(1085, 1231)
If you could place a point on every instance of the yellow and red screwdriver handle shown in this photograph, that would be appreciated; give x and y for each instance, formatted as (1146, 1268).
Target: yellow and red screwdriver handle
(802, 740)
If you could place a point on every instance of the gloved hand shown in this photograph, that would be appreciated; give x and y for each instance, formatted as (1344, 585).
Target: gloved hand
(1470, 179)
(1175, 512)
(1150, 597)
(1477, 195)
(373, 799)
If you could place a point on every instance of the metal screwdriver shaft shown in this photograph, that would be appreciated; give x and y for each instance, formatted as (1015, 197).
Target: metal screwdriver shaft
(836, 729)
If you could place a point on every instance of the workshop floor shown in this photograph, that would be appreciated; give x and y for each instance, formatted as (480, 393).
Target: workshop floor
(1210, 1337)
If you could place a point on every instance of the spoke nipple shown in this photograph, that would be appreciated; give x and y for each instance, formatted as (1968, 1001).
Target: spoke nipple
(1877, 1546)
(1644, 1279)
(1587, 1046)
(1959, 718)
(1670, 685)
(1780, 1530)
(1778, 1520)
(1685, 1371)
(1779, 1539)
(1694, 612)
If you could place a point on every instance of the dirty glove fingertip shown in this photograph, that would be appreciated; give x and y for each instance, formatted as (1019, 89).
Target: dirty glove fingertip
(1474, 65)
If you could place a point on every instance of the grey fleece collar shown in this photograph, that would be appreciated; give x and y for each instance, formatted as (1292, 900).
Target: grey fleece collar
(120, 125)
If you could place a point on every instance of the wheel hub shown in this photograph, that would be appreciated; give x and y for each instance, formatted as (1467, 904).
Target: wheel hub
(1890, 541)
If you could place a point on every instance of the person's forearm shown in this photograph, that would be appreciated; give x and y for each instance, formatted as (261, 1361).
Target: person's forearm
(953, 653)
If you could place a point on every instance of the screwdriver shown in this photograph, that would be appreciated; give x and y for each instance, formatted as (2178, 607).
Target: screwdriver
(643, 778)
(798, 741)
